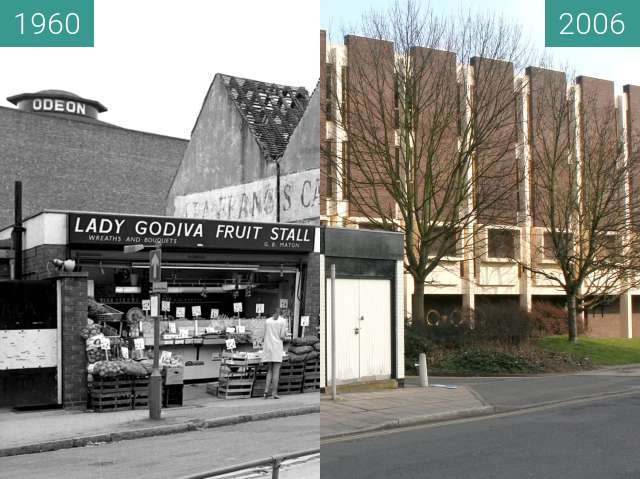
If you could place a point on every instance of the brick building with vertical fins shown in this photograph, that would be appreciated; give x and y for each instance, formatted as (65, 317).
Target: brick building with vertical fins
(490, 277)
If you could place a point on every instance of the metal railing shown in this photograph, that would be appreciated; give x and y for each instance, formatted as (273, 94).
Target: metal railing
(275, 462)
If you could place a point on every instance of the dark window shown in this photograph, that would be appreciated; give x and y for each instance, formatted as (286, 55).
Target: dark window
(331, 158)
(345, 170)
(443, 240)
(330, 91)
(345, 101)
(611, 247)
(565, 245)
(501, 243)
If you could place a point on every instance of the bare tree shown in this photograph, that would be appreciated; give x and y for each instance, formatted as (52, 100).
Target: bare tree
(585, 239)
(428, 111)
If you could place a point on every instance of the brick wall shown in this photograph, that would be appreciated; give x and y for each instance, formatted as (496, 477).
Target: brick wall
(633, 137)
(312, 296)
(36, 261)
(547, 96)
(323, 93)
(66, 164)
(494, 111)
(74, 317)
(370, 120)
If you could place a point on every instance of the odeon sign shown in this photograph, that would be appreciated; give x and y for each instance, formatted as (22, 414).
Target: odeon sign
(58, 106)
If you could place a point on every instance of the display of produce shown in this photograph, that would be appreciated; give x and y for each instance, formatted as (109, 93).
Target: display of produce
(304, 349)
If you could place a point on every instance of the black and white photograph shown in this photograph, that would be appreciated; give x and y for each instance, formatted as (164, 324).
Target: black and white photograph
(159, 246)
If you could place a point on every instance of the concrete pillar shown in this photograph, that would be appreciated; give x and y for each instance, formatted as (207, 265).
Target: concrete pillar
(525, 275)
(626, 315)
(469, 279)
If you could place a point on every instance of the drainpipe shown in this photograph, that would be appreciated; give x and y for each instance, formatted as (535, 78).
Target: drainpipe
(16, 234)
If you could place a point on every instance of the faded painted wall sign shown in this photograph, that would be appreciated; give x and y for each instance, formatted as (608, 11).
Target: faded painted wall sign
(29, 348)
(256, 201)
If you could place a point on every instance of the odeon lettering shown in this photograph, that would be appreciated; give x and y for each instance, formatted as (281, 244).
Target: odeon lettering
(59, 106)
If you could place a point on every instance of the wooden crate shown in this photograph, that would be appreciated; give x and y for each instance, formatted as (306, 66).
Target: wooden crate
(111, 394)
(292, 369)
(311, 376)
(235, 388)
(259, 386)
(140, 393)
(290, 387)
(312, 366)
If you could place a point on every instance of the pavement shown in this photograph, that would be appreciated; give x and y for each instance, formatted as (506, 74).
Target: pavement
(38, 431)
(355, 413)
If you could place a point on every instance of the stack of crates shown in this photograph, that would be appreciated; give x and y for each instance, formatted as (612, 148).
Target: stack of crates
(259, 381)
(140, 393)
(111, 394)
(291, 378)
(236, 378)
(311, 376)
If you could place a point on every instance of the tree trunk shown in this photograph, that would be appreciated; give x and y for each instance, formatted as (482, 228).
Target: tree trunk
(572, 318)
(417, 302)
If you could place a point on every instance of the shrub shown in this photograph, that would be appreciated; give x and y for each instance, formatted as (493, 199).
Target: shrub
(551, 320)
(487, 361)
(504, 323)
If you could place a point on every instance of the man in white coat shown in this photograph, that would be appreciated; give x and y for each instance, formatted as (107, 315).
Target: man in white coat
(275, 332)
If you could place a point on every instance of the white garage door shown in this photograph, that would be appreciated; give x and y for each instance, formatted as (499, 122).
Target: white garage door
(363, 329)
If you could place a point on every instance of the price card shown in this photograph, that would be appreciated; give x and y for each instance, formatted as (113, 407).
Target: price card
(231, 330)
(196, 311)
(146, 305)
(172, 328)
(138, 343)
(237, 307)
(304, 321)
(241, 329)
(166, 306)
(284, 303)
(165, 357)
(259, 308)
(180, 312)
(105, 343)
(154, 306)
(215, 313)
(124, 351)
(183, 333)
(230, 343)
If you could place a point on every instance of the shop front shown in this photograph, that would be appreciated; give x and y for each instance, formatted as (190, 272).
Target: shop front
(211, 283)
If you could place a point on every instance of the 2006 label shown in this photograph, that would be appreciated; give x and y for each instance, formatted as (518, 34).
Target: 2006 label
(584, 24)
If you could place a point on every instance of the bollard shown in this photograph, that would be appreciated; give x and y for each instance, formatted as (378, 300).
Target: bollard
(424, 378)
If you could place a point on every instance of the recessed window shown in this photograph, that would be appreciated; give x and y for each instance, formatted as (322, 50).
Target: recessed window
(443, 240)
(501, 243)
(564, 246)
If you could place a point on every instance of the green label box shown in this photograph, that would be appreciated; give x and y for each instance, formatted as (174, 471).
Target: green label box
(46, 23)
(592, 23)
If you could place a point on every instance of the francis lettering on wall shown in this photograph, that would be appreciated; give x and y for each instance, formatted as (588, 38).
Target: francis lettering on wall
(256, 201)
(94, 229)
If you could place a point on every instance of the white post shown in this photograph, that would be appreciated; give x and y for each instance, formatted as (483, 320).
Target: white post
(333, 332)
(424, 378)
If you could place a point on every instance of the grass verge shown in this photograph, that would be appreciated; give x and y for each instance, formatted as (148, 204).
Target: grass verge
(601, 352)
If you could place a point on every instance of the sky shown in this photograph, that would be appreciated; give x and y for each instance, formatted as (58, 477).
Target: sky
(622, 65)
(154, 60)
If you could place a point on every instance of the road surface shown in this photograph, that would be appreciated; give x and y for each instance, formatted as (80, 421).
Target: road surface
(173, 456)
(591, 440)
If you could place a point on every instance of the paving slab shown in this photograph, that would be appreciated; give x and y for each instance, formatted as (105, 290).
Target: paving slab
(355, 413)
(36, 431)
